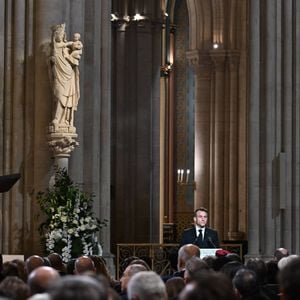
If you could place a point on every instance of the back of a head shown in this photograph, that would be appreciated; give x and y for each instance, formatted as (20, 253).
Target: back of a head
(259, 267)
(286, 260)
(193, 266)
(210, 285)
(289, 277)
(174, 286)
(185, 253)
(84, 264)
(146, 285)
(141, 262)
(14, 288)
(230, 268)
(41, 278)
(245, 281)
(32, 263)
(56, 262)
(75, 287)
(280, 253)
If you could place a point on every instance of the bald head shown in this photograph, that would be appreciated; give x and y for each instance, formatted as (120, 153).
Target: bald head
(84, 264)
(185, 253)
(40, 279)
(280, 253)
(32, 263)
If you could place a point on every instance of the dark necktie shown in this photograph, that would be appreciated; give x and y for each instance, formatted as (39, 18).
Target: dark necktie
(201, 235)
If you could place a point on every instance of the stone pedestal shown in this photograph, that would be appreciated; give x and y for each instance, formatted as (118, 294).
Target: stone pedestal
(62, 140)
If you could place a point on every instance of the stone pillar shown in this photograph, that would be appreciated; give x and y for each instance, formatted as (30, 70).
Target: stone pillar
(233, 147)
(200, 62)
(254, 116)
(218, 138)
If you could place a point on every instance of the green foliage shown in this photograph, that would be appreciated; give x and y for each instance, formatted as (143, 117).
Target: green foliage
(70, 227)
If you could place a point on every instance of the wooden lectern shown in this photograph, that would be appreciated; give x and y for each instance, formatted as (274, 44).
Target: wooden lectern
(7, 181)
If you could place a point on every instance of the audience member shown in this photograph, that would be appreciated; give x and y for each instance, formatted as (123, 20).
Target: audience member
(57, 263)
(247, 286)
(289, 278)
(71, 266)
(84, 264)
(271, 288)
(101, 269)
(128, 273)
(285, 260)
(41, 278)
(209, 285)
(174, 286)
(146, 285)
(192, 267)
(280, 253)
(75, 287)
(234, 257)
(259, 267)
(21, 268)
(141, 262)
(210, 259)
(10, 268)
(32, 263)
(184, 254)
(230, 268)
(14, 288)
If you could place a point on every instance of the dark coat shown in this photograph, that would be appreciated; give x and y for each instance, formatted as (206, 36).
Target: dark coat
(210, 240)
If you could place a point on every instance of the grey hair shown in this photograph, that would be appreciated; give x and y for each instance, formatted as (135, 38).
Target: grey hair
(146, 285)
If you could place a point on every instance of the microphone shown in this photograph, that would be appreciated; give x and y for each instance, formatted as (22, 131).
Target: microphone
(211, 242)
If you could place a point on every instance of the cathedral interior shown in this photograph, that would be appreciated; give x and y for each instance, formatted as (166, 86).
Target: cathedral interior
(183, 104)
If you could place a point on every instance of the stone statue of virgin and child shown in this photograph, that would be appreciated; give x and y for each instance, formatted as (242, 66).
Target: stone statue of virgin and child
(64, 75)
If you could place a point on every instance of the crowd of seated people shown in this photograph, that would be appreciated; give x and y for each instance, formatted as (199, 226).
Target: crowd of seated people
(221, 277)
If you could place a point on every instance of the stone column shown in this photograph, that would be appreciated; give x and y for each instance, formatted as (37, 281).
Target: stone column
(200, 62)
(233, 153)
(218, 138)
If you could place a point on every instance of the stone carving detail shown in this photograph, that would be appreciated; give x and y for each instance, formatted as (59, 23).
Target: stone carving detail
(64, 76)
(63, 146)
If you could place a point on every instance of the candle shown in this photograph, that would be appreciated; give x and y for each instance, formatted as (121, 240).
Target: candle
(187, 175)
(178, 175)
(181, 177)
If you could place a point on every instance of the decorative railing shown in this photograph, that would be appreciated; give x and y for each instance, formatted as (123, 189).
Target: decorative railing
(162, 258)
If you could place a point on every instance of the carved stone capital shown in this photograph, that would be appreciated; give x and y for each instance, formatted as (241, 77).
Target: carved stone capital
(200, 62)
(62, 144)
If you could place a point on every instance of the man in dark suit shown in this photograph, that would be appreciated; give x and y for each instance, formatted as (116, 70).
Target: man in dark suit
(200, 234)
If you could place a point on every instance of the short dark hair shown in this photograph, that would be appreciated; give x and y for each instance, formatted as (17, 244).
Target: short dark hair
(200, 209)
(210, 285)
(245, 281)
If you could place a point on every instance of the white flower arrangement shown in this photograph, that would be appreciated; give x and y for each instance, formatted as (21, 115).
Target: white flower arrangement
(71, 227)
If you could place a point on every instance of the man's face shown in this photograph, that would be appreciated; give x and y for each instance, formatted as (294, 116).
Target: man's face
(201, 218)
(124, 279)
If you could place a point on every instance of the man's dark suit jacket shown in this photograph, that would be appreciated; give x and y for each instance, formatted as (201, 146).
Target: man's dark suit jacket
(210, 240)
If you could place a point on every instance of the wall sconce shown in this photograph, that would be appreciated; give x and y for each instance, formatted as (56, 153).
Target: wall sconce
(114, 18)
(166, 69)
(138, 17)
